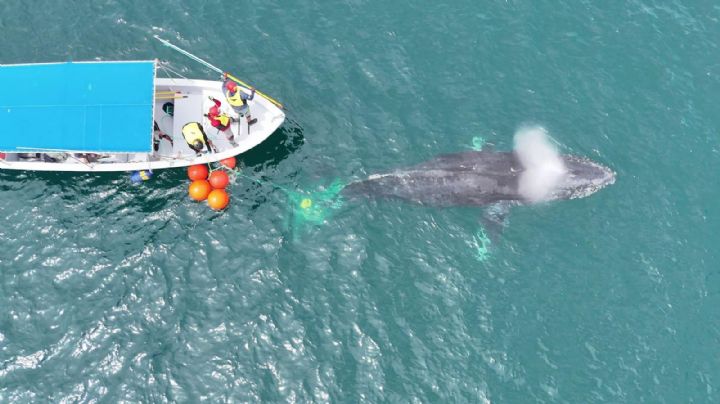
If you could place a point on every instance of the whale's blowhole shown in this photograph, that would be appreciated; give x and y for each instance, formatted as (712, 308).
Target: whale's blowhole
(543, 167)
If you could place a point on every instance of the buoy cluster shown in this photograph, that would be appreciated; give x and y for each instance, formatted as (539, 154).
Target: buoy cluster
(209, 185)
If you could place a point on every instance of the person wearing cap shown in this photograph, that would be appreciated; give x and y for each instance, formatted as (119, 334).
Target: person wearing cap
(238, 99)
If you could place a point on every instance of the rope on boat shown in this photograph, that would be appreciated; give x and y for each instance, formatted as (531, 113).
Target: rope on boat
(242, 83)
(188, 54)
(216, 69)
(166, 66)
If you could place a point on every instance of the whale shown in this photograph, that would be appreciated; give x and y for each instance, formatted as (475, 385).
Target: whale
(488, 178)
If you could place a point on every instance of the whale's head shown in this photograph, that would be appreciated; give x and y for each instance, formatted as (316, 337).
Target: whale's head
(583, 177)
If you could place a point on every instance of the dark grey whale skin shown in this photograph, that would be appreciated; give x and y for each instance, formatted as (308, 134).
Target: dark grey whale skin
(477, 178)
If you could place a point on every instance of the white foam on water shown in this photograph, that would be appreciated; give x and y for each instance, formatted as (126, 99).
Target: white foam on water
(543, 166)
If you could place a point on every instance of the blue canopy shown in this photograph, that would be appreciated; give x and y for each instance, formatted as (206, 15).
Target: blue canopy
(87, 106)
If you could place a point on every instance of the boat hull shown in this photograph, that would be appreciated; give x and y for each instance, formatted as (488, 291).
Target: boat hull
(191, 100)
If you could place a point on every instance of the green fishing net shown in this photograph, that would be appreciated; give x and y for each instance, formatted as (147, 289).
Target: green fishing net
(482, 243)
(315, 207)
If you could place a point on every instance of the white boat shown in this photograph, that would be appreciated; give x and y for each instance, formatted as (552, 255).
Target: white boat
(118, 116)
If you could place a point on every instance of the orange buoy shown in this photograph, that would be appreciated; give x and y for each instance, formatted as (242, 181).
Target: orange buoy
(228, 162)
(218, 199)
(198, 172)
(199, 190)
(219, 179)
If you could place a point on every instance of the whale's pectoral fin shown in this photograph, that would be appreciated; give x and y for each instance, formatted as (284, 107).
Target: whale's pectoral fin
(494, 218)
(480, 144)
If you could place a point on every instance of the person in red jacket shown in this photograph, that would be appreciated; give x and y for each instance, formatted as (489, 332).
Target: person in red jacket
(218, 119)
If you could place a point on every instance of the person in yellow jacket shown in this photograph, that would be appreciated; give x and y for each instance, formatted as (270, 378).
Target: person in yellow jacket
(238, 99)
(196, 138)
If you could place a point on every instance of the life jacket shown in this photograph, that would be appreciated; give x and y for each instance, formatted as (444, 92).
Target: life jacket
(223, 119)
(217, 118)
(192, 132)
(236, 99)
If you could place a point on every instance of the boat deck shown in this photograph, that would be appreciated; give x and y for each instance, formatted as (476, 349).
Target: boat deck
(190, 100)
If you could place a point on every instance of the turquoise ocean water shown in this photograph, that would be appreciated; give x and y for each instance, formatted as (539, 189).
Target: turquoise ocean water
(117, 292)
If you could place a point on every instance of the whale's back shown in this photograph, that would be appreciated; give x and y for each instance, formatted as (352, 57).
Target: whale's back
(460, 179)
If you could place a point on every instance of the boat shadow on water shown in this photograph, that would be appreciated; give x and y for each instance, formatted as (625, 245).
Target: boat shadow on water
(260, 167)
(279, 146)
